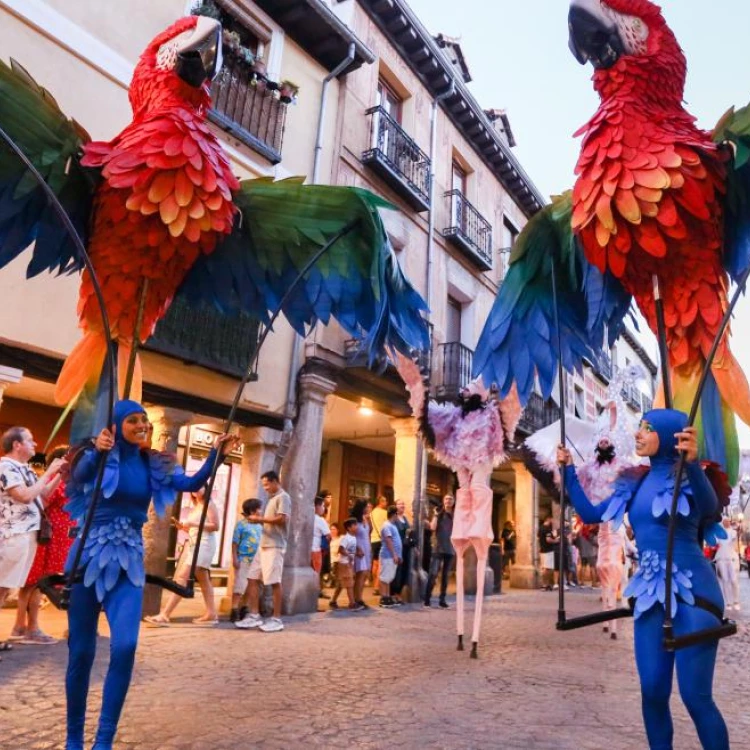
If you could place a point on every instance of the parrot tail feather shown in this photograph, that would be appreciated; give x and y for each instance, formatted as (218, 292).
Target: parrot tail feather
(717, 430)
(83, 365)
(733, 386)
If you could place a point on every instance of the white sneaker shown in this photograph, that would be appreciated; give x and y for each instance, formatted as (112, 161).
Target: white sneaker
(250, 621)
(272, 625)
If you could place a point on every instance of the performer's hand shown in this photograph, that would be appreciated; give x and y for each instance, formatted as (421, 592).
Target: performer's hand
(105, 440)
(563, 456)
(227, 443)
(687, 441)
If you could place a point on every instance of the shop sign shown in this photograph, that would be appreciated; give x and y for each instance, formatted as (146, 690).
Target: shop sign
(200, 438)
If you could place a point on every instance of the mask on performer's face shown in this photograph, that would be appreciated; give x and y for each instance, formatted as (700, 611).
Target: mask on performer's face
(605, 452)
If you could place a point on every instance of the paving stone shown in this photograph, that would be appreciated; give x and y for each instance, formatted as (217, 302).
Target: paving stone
(385, 679)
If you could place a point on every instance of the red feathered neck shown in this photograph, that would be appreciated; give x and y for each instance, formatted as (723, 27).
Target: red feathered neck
(152, 89)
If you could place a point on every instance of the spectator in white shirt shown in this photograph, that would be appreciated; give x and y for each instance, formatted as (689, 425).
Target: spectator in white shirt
(21, 503)
(320, 531)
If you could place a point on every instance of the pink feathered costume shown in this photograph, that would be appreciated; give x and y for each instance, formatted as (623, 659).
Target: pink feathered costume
(471, 443)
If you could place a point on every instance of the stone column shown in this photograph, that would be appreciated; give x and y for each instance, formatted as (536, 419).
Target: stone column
(299, 478)
(409, 466)
(167, 423)
(524, 574)
(258, 456)
(409, 479)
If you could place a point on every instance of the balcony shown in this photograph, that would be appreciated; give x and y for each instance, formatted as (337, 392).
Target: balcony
(469, 231)
(538, 414)
(204, 336)
(456, 375)
(398, 160)
(248, 109)
(632, 397)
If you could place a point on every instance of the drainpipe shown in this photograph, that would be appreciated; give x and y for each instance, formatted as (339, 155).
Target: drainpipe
(291, 391)
(431, 215)
(335, 73)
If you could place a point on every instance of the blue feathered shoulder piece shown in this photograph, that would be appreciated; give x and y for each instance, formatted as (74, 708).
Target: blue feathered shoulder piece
(163, 467)
(626, 485)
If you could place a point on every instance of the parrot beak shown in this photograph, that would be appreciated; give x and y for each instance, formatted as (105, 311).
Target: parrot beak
(593, 36)
(200, 58)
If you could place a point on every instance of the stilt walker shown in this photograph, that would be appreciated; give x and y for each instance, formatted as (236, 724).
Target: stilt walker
(471, 437)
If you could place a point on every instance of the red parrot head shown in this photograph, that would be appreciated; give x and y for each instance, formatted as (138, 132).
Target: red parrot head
(621, 36)
(177, 66)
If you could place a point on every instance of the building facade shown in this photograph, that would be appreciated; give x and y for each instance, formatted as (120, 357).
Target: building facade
(354, 93)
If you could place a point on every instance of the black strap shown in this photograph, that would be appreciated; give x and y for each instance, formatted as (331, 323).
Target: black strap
(709, 607)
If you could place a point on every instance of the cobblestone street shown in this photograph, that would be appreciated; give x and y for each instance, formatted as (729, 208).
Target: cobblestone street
(381, 679)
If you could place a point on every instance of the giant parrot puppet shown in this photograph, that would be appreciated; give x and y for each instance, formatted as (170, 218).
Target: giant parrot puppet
(655, 197)
(159, 204)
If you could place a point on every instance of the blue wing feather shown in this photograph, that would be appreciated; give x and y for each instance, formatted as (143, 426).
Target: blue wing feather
(519, 340)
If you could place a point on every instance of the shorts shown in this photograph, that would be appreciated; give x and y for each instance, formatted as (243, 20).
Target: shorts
(548, 560)
(16, 558)
(316, 561)
(241, 575)
(344, 576)
(267, 566)
(388, 570)
(375, 547)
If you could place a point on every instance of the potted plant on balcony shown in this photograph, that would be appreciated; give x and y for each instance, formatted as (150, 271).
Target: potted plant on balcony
(288, 91)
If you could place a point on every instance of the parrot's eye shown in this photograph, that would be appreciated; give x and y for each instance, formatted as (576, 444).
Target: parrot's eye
(633, 32)
(166, 57)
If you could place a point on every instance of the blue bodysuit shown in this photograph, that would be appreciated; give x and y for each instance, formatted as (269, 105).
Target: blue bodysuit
(112, 564)
(647, 497)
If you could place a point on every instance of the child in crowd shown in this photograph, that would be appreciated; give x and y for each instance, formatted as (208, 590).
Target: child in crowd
(244, 548)
(334, 551)
(347, 549)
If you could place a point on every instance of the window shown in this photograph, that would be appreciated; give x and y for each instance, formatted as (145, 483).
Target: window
(458, 184)
(453, 321)
(510, 234)
(389, 100)
(580, 404)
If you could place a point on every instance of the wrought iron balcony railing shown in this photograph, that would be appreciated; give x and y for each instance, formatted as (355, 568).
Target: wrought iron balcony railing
(204, 336)
(398, 159)
(469, 230)
(538, 414)
(248, 110)
(456, 374)
(603, 367)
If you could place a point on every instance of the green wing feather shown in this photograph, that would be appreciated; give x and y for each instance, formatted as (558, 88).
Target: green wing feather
(31, 117)
(357, 281)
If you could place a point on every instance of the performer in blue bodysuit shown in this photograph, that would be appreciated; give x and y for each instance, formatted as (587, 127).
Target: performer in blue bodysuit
(112, 560)
(646, 495)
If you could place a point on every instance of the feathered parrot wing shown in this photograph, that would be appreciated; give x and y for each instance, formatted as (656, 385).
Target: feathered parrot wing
(734, 127)
(52, 142)
(519, 340)
(358, 281)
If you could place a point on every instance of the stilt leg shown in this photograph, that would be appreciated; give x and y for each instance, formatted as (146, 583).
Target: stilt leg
(460, 550)
(481, 546)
